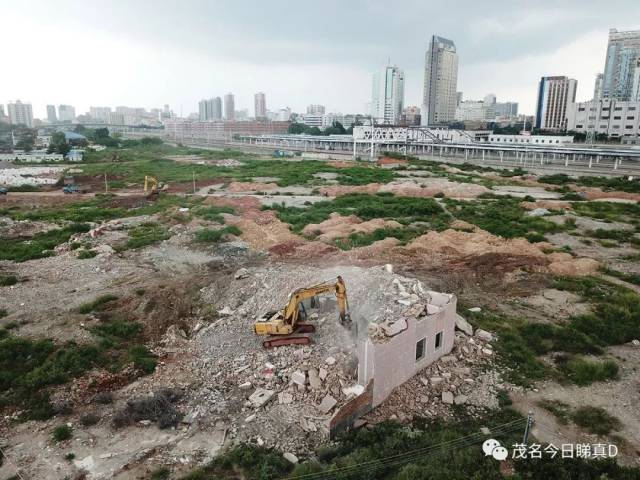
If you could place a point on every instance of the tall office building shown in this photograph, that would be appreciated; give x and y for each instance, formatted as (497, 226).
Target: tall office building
(620, 65)
(387, 96)
(20, 113)
(635, 92)
(554, 95)
(440, 82)
(2, 114)
(260, 106)
(217, 108)
(506, 109)
(51, 114)
(597, 86)
(229, 107)
(489, 106)
(66, 113)
(100, 114)
(315, 110)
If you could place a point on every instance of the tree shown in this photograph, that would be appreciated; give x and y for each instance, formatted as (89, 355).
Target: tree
(25, 143)
(297, 128)
(336, 128)
(59, 144)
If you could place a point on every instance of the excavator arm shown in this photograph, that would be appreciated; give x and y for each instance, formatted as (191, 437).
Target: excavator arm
(291, 312)
(284, 326)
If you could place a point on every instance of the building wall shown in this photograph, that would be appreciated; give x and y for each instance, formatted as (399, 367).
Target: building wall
(181, 130)
(531, 139)
(614, 118)
(393, 362)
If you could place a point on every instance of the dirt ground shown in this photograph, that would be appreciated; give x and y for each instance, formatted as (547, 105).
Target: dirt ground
(198, 302)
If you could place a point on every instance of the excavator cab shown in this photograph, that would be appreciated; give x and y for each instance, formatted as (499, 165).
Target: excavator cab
(287, 326)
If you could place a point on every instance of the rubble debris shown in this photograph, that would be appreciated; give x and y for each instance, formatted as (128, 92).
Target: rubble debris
(260, 397)
(447, 397)
(241, 273)
(463, 325)
(484, 335)
(475, 309)
(290, 457)
(328, 402)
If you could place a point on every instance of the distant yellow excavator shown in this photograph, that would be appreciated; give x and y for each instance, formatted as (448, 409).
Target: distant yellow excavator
(284, 326)
(151, 186)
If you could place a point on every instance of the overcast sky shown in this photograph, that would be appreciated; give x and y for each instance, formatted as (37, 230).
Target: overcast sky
(150, 52)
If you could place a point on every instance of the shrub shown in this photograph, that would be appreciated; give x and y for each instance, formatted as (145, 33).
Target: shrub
(142, 358)
(62, 432)
(69, 457)
(103, 398)
(84, 254)
(8, 280)
(596, 420)
(158, 408)
(89, 419)
(161, 473)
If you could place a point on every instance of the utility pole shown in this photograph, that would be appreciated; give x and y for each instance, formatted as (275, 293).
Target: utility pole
(525, 437)
(193, 173)
(106, 185)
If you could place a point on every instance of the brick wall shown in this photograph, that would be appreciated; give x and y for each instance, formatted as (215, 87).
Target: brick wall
(351, 411)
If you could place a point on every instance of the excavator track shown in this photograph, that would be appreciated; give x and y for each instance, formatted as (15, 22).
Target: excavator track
(281, 340)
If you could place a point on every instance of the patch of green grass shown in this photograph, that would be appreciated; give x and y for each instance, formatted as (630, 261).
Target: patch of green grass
(622, 184)
(96, 304)
(627, 277)
(69, 457)
(405, 210)
(114, 331)
(213, 213)
(596, 420)
(84, 254)
(208, 235)
(560, 410)
(502, 216)
(8, 280)
(162, 473)
(608, 211)
(582, 371)
(616, 310)
(62, 432)
(39, 245)
(142, 358)
(362, 239)
(3, 312)
(144, 235)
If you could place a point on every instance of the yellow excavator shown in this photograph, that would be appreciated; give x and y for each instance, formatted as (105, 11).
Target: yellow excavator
(151, 186)
(284, 326)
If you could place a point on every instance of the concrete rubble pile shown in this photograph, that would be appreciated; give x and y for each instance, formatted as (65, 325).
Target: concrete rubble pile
(285, 397)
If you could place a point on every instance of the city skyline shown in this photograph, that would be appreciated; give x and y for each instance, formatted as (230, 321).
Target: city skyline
(505, 52)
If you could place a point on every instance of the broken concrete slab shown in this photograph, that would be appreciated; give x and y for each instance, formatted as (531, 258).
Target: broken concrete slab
(328, 402)
(250, 418)
(314, 380)
(447, 397)
(245, 386)
(330, 361)
(460, 399)
(392, 329)
(322, 373)
(463, 325)
(298, 377)
(475, 309)
(290, 457)
(241, 273)
(484, 335)
(260, 397)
